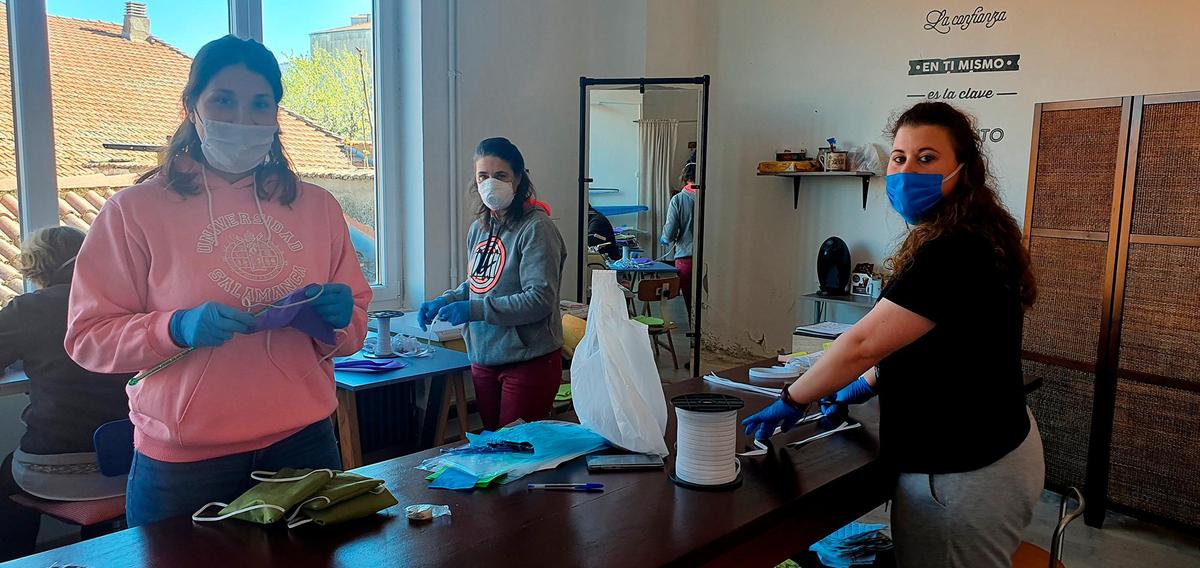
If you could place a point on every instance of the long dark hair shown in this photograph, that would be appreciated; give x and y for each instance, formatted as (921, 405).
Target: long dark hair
(275, 177)
(523, 192)
(687, 174)
(973, 206)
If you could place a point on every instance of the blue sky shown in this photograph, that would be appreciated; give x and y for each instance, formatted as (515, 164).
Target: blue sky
(189, 24)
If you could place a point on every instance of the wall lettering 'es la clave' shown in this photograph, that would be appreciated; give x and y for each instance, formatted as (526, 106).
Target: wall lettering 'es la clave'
(980, 20)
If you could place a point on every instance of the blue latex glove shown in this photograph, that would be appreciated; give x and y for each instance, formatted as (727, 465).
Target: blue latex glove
(429, 310)
(457, 313)
(835, 407)
(779, 414)
(208, 325)
(335, 305)
(664, 241)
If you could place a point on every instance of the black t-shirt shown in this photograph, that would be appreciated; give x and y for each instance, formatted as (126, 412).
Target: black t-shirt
(954, 400)
(66, 402)
(599, 226)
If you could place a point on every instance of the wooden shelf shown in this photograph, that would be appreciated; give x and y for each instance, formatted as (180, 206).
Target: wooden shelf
(864, 176)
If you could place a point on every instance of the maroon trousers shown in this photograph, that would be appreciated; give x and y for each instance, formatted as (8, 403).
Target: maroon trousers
(684, 266)
(522, 390)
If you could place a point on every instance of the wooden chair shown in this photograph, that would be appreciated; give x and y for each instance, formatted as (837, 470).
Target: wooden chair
(1030, 555)
(114, 452)
(660, 290)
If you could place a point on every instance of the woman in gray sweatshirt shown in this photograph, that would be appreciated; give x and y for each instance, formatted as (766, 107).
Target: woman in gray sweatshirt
(509, 301)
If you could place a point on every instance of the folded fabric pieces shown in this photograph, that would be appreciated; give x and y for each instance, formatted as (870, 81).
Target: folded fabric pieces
(553, 443)
(564, 393)
(632, 262)
(294, 311)
(302, 496)
(650, 321)
(369, 365)
(852, 545)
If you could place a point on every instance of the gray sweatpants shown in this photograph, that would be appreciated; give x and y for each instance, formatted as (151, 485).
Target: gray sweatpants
(971, 519)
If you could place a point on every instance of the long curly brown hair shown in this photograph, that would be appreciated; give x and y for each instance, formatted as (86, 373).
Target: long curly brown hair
(973, 206)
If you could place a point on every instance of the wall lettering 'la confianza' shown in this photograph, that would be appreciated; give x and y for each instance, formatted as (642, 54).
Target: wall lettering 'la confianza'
(942, 22)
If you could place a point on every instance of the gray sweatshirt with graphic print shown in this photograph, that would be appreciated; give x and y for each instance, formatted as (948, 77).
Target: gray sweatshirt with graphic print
(513, 280)
(678, 228)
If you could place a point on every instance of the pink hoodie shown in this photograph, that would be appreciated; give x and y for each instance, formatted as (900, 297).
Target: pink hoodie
(152, 252)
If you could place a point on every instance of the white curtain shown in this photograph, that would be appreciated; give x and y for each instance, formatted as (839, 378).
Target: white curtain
(657, 175)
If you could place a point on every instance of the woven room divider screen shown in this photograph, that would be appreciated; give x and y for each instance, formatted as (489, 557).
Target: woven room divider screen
(1113, 227)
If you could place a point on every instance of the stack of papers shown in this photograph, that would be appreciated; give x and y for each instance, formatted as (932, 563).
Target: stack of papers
(763, 391)
(852, 545)
(826, 329)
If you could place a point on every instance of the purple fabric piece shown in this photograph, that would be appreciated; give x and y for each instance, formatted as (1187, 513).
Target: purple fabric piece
(369, 365)
(302, 317)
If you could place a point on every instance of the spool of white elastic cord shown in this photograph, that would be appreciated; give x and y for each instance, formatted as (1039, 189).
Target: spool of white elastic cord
(706, 441)
(383, 333)
(780, 373)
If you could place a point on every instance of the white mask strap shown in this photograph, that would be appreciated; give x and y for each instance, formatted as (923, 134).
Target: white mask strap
(954, 173)
(201, 519)
(265, 476)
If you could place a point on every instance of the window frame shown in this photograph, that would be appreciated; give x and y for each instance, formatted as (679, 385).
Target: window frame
(33, 127)
(33, 120)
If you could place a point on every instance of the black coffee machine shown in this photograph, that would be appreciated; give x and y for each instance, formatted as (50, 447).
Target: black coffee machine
(833, 267)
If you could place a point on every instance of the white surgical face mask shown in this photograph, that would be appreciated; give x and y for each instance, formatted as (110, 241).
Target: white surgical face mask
(496, 194)
(236, 148)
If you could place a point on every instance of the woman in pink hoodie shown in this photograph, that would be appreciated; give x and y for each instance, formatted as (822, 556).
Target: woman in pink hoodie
(220, 230)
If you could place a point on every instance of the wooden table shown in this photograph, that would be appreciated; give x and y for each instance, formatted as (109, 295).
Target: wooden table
(13, 382)
(445, 367)
(788, 500)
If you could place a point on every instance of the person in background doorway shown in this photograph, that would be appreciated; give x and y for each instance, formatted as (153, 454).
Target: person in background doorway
(509, 301)
(222, 228)
(947, 357)
(600, 234)
(66, 402)
(677, 231)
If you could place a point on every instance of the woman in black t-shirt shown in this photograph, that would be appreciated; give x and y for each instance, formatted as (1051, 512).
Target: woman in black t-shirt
(942, 348)
(55, 459)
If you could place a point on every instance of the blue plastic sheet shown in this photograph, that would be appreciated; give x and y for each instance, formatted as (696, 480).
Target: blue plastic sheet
(456, 479)
(852, 545)
(553, 443)
(614, 210)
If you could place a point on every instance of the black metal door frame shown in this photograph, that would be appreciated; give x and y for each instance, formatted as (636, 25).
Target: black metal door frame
(702, 162)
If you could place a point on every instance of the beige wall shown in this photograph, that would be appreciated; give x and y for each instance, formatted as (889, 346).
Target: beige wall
(523, 83)
(796, 72)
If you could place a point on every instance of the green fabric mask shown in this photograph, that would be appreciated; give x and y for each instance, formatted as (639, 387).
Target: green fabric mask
(274, 495)
(357, 507)
(342, 487)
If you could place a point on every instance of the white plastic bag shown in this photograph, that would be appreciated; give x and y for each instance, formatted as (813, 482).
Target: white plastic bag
(866, 158)
(614, 380)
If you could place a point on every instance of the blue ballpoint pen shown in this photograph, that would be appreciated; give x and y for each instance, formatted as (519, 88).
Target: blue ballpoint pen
(587, 487)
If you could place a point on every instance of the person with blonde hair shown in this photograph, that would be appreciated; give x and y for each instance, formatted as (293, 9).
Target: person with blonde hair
(66, 402)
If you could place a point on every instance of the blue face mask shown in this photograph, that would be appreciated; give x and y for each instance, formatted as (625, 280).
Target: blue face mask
(912, 194)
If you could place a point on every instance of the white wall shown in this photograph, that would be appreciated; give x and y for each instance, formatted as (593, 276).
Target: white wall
(520, 62)
(794, 73)
(613, 145)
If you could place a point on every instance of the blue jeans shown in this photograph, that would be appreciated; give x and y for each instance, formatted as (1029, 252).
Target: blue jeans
(160, 490)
